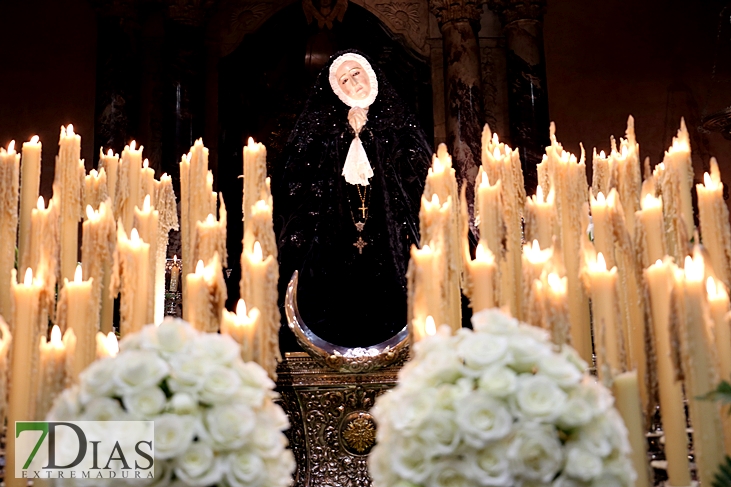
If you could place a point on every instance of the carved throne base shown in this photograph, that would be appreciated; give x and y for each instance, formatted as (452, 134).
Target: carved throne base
(332, 430)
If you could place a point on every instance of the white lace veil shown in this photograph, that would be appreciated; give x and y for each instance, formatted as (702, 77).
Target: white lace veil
(357, 168)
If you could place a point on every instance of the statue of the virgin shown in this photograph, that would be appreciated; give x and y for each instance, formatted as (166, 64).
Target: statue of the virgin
(347, 193)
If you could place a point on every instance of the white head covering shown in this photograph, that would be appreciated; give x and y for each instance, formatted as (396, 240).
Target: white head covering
(357, 168)
(335, 82)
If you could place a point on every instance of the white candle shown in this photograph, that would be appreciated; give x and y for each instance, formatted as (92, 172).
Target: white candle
(97, 250)
(130, 277)
(77, 311)
(651, 230)
(128, 184)
(482, 279)
(25, 359)
(52, 371)
(146, 222)
(9, 173)
(714, 223)
(29, 183)
(242, 326)
(68, 190)
(110, 163)
(206, 295)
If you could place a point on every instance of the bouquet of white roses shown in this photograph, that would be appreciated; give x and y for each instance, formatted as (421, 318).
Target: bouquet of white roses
(498, 406)
(215, 419)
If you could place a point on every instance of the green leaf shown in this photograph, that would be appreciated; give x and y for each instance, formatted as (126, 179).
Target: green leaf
(722, 393)
(723, 476)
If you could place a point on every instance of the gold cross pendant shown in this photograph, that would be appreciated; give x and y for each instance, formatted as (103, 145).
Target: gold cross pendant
(360, 243)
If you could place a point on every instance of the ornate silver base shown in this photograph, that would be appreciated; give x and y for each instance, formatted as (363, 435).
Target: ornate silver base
(332, 430)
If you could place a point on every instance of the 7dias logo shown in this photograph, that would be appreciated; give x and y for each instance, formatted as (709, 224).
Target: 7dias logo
(84, 449)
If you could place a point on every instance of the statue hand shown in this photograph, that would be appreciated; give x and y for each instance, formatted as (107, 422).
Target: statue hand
(357, 117)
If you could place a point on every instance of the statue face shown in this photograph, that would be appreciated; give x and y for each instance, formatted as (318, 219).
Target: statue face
(353, 80)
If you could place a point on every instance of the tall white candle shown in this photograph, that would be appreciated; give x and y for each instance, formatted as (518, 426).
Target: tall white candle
(30, 181)
(9, 173)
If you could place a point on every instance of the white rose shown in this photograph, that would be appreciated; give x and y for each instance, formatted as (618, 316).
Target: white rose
(598, 396)
(173, 434)
(280, 469)
(604, 434)
(198, 466)
(495, 322)
(139, 369)
(440, 433)
(408, 412)
(564, 481)
(245, 468)
(132, 341)
(145, 403)
(492, 465)
(268, 442)
(526, 352)
(103, 409)
(620, 466)
(480, 350)
(219, 385)
(98, 379)
(608, 480)
(187, 373)
(560, 370)
(448, 395)
(66, 406)
(410, 459)
(498, 381)
(450, 472)
(576, 411)
(219, 349)
(183, 403)
(274, 416)
(229, 426)
(173, 336)
(482, 419)
(535, 452)
(439, 369)
(582, 464)
(253, 375)
(538, 398)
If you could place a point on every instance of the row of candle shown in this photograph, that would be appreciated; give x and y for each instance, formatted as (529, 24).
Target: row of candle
(644, 344)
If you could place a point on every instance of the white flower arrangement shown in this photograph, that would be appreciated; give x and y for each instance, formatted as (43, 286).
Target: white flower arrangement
(498, 406)
(215, 419)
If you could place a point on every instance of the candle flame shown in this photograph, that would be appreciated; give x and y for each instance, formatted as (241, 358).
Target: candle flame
(11, 146)
(110, 153)
(429, 326)
(600, 262)
(485, 180)
(132, 145)
(134, 236)
(175, 259)
(539, 194)
(426, 248)
(602, 155)
(146, 204)
(495, 139)
(658, 262)
(558, 284)
(496, 153)
(146, 163)
(34, 139)
(41, 205)
(56, 339)
(210, 219)
(199, 268)
(94, 174)
(257, 252)
(600, 198)
(483, 254)
(78, 274)
(536, 247)
(28, 277)
(112, 344)
(435, 199)
(251, 143)
(650, 201)
(89, 212)
(70, 130)
(694, 267)
(241, 308)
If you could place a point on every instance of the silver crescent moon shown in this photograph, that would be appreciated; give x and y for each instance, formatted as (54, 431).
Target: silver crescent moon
(344, 359)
